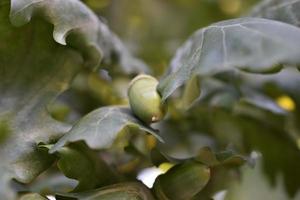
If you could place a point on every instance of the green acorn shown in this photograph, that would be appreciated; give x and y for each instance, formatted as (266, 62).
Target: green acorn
(120, 191)
(182, 182)
(144, 100)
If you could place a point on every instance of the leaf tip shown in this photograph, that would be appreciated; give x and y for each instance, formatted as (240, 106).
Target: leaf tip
(59, 37)
(55, 147)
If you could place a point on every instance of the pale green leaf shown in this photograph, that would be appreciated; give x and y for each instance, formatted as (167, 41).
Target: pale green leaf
(101, 127)
(35, 68)
(281, 10)
(32, 196)
(77, 26)
(249, 44)
(29, 80)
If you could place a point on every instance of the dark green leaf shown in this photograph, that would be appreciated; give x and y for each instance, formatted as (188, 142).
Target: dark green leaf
(77, 26)
(214, 93)
(250, 44)
(180, 140)
(4, 131)
(207, 157)
(29, 166)
(35, 68)
(280, 154)
(182, 181)
(157, 158)
(101, 127)
(28, 83)
(281, 10)
(79, 162)
(254, 185)
(267, 135)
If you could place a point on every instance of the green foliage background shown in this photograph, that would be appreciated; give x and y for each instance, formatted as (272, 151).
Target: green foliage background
(153, 30)
(93, 147)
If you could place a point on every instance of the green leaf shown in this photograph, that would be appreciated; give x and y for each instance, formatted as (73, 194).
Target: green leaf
(184, 144)
(79, 162)
(4, 131)
(32, 196)
(254, 185)
(226, 158)
(124, 191)
(180, 141)
(158, 157)
(101, 127)
(280, 10)
(30, 165)
(205, 156)
(214, 93)
(266, 134)
(77, 26)
(191, 92)
(34, 69)
(51, 183)
(225, 90)
(249, 44)
(286, 81)
(279, 152)
(182, 181)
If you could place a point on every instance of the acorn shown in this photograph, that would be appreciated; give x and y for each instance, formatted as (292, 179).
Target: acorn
(124, 191)
(182, 182)
(144, 99)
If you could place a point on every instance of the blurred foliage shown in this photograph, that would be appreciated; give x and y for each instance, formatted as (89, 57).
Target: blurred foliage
(254, 186)
(155, 29)
(214, 123)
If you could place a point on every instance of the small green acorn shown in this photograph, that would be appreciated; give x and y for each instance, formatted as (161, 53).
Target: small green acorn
(124, 191)
(182, 182)
(144, 100)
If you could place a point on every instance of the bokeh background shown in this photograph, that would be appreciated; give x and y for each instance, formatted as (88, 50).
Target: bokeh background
(241, 116)
(154, 29)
